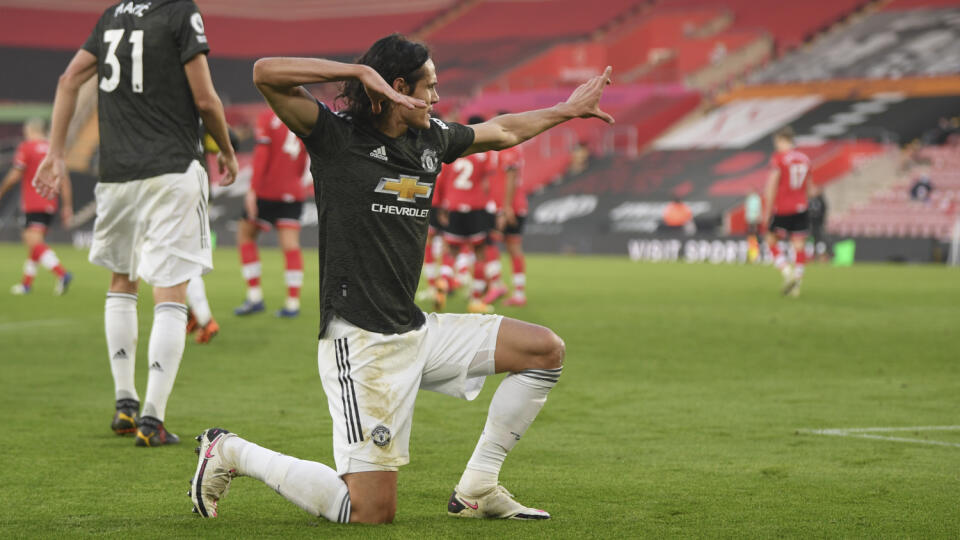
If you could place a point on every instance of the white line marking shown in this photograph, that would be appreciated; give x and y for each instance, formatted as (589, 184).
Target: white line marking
(16, 325)
(869, 433)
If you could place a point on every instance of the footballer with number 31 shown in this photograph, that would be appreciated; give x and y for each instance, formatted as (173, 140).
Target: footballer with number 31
(374, 165)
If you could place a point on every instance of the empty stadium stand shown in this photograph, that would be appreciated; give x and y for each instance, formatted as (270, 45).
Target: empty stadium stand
(888, 45)
(489, 20)
(892, 212)
(791, 23)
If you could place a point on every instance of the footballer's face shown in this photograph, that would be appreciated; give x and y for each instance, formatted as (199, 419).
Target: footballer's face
(782, 144)
(425, 89)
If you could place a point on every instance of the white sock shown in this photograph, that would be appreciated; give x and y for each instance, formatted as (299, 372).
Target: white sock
(255, 294)
(292, 304)
(464, 262)
(197, 300)
(515, 404)
(48, 259)
(120, 324)
(164, 353)
(519, 283)
(29, 268)
(312, 486)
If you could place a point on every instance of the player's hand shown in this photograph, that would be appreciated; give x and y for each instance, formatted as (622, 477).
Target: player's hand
(228, 168)
(443, 217)
(49, 175)
(380, 92)
(509, 216)
(585, 100)
(250, 205)
(499, 222)
(66, 216)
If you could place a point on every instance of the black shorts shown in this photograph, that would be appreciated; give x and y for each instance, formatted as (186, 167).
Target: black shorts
(37, 219)
(516, 229)
(469, 227)
(791, 223)
(277, 214)
(435, 225)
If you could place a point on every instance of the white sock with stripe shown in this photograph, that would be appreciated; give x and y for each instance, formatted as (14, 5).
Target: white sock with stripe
(120, 324)
(164, 354)
(312, 486)
(515, 404)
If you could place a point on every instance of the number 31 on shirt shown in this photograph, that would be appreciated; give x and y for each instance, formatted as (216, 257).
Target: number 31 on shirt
(113, 39)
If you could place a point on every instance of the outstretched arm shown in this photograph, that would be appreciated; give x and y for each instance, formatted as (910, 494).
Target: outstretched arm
(512, 129)
(281, 81)
(52, 169)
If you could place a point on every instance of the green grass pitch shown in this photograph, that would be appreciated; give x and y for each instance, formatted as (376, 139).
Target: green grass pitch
(680, 412)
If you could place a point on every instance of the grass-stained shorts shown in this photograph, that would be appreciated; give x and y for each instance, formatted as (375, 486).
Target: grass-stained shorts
(371, 381)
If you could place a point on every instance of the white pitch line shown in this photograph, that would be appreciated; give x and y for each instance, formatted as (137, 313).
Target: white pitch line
(869, 433)
(16, 325)
(880, 429)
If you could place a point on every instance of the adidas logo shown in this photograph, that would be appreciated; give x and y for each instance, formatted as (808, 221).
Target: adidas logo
(379, 153)
(156, 366)
(120, 355)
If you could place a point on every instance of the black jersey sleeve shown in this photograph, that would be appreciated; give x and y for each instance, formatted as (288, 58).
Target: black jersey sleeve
(92, 45)
(188, 32)
(455, 138)
(329, 133)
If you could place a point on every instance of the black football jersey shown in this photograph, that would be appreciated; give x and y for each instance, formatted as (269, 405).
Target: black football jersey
(373, 198)
(148, 122)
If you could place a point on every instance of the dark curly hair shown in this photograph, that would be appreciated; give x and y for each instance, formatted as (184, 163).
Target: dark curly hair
(392, 57)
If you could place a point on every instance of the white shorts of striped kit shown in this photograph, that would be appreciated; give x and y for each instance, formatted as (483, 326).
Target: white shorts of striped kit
(156, 229)
(371, 381)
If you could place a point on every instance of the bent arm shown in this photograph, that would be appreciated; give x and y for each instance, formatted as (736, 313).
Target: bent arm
(281, 81)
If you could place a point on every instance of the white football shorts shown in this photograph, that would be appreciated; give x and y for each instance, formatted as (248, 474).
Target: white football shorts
(156, 229)
(371, 381)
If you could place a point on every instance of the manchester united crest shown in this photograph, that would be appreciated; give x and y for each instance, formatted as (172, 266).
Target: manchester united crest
(380, 435)
(429, 161)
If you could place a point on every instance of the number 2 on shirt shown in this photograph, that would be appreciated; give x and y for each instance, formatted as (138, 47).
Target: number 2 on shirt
(464, 170)
(113, 38)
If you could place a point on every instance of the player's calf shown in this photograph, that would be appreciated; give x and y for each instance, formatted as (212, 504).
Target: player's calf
(534, 357)
(373, 496)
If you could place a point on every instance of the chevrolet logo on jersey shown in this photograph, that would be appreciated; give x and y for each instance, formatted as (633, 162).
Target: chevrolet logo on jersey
(406, 188)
